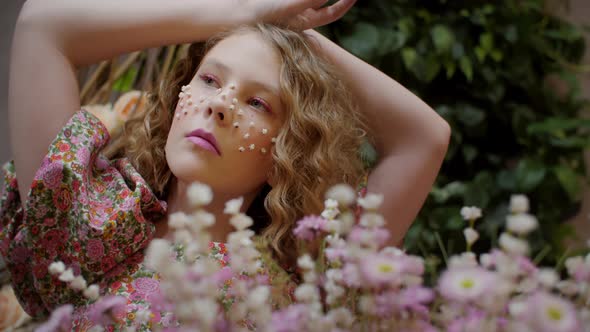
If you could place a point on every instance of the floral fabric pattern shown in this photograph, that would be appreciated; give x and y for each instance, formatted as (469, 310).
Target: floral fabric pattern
(94, 215)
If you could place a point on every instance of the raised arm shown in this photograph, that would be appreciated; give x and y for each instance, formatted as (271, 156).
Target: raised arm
(54, 37)
(411, 139)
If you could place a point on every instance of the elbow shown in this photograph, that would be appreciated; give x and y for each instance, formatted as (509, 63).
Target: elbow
(442, 137)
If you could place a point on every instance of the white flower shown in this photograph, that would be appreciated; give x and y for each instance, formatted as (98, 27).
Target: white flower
(547, 277)
(258, 296)
(306, 293)
(521, 224)
(573, 264)
(178, 220)
(466, 259)
(206, 310)
(91, 292)
(233, 206)
(142, 316)
(331, 204)
(371, 201)
(551, 313)
(334, 274)
(333, 226)
(470, 212)
(519, 204)
(79, 283)
(67, 275)
(513, 245)
(201, 219)
(372, 220)
(568, 287)
(199, 194)
(57, 267)
(333, 290)
(517, 308)
(471, 235)
(342, 316)
(158, 254)
(367, 304)
(342, 193)
(347, 221)
(241, 221)
(330, 213)
(305, 262)
(486, 260)
(240, 238)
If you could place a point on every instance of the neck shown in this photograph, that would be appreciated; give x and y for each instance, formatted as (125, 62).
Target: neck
(178, 202)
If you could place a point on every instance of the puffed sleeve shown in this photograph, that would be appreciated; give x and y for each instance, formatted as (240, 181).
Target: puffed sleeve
(91, 213)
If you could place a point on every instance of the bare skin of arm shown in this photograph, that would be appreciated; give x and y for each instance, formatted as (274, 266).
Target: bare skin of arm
(411, 139)
(53, 38)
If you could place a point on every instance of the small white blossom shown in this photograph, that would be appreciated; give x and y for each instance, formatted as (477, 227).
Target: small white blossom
(79, 283)
(513, 245)
(466, 259)
(547, 277)
(470, 212)
(178, 220)
(201, 219)
(372, 220)
(331, 204)
(519, 204)
(306, 293)
(568, 287)
(91, 292)
(199, 194)
(486, 261)
(241, 221)
(367, 304)
(371, 201)
(517, 308)
(342, 316)
(158, 254)
(342, 193)
(572, 264)
(305, 262)
(57, 267)
(521, 224)
(233, 206)
(330, 213)
(67, 275)
(258, 296)
(142, 316)
(471, 235)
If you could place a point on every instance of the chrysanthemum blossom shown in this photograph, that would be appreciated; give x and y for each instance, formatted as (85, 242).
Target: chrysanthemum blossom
(371, 201)
(369, 237)
(378, 270)
(157, 254)
(372, 220)
(56, 268)
(519, 204)
(547, 277)
(305, 262)
(233, 206)
(67, 275)
(310, 227)
(342, 193)
(549, 313)
(470, 212)
(92, 292)
(521, 224)
(199, 194)
(241, 221)
(465, 284)
(79, 283)
(513, 245)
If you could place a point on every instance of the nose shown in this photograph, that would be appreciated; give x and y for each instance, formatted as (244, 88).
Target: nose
(219, 107)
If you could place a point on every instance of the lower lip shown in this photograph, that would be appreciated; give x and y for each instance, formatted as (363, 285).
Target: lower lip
(202, 143)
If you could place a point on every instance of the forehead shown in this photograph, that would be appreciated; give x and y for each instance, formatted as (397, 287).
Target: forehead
(248, 56)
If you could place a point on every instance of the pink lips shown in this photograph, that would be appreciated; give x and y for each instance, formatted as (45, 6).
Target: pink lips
(204, 139)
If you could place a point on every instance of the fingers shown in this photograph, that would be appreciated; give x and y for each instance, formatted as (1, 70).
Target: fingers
(329, 14)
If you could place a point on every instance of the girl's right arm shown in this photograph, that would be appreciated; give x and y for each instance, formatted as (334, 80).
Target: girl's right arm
(53, 38)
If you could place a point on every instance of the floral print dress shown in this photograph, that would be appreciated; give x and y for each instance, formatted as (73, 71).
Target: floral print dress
(93, 214)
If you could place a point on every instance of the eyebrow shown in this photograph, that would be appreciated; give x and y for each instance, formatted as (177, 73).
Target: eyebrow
(259, 84)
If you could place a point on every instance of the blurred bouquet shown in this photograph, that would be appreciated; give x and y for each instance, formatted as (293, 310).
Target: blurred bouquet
(355, 283)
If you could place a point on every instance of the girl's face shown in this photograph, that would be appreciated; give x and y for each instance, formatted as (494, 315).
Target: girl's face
(227, 118)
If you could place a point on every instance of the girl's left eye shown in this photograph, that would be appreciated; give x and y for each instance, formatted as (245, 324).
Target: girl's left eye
(208, 79)
(260, 104)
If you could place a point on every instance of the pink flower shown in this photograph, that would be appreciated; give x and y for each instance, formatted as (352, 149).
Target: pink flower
(369, 237)
(94, 249)
(465, 284)
(474, 321)
(379, 270)
(547, 312)
(290, 319)
(310, 227)
(146, 285)
(106, 310)
(415, 297)
(60, 320)
(52, 175)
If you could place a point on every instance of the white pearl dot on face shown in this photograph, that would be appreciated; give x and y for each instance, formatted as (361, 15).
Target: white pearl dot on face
(234, 101)
(236, 124)
(181, 95)
(252, 147)
(181, 104)
(247, 135)
(263, 150)
(241, 149)
(188, 93)
(231, 107)
(177, 116)
(240, 112)
(232, 86)
(184, 111)
(273, 140)
(264, 131)
(190, 101)
(251, 123)
(195, 108)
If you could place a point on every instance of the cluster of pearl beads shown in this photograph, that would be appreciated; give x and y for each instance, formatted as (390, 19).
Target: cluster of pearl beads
(186, 92)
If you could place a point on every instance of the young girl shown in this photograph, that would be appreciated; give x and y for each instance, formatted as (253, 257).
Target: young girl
(269, 114)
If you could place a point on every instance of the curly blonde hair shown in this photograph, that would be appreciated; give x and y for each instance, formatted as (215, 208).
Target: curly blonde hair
(318, 146)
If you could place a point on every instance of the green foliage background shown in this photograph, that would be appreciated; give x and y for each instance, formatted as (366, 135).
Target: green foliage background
(484, 66)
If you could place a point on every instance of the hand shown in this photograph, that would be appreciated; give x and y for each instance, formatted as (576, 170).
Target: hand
(300, 14)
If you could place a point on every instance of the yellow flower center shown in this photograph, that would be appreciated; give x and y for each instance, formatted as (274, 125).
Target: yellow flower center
(554, 313)
(467, 283)
(385, 268)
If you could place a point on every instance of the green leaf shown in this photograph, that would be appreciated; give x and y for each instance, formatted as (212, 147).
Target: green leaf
(486, 41)
(555, 124)
(469, 153)
(497, 55)
(470, 116)
(453, 189)
(511, 34)
(466, 68)
(409, 56)
(529, 174)
(125, 82)
(363, 41)
(368, 154)
(569, 180)
(442, 37)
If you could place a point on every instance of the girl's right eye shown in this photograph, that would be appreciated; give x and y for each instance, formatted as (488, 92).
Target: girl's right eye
(208, 79)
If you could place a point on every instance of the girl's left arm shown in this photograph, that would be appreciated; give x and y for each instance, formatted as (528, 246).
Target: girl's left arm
(411, 139)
